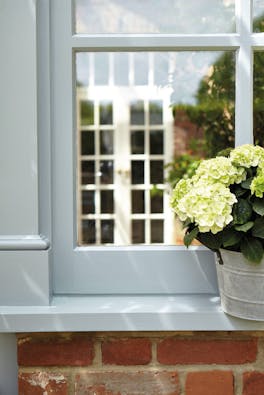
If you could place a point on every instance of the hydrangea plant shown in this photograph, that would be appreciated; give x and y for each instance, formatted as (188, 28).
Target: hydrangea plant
(222, 204)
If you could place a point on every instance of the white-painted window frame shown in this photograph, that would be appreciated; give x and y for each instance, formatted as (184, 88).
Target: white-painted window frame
(33, 250)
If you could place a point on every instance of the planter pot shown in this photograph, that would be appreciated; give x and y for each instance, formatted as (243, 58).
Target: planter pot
(241, 286)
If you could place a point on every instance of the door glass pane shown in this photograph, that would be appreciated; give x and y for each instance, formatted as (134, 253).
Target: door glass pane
(138, 172)
(137, 142)
(137, 135)
(156, 231)
(106, 142)
(138, 231)
(156, 142)
(258, 16)
(87, 142)
(138, 202)
(155, 16)
(107, 202)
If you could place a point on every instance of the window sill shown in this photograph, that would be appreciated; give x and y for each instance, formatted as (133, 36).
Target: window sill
(124, 313)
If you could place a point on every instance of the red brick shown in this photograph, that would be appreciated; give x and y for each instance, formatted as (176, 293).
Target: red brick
(57, 351)
(210, 383)
(195, 351)
(38, 383)
(124, 383)
(126, 351)
(253, 383)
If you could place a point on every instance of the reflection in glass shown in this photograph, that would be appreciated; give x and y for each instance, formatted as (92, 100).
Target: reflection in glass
(155, 112)
(156, 142)
(137, 115)
(137, 142)
(156, 202)
(151, 122)
(138, 202)
(107, 202)
(258, 16)
(87, 112)
(88, 232)
(101, 68)
(156, 172)
(107, 231)
(87, 142)
(106, 113)
(88, 171)
(88, 206)
(156, 231)
(138, 231)
(106, 142)
(137, 172)
(258, 98)
(106, 171)
(155, 16)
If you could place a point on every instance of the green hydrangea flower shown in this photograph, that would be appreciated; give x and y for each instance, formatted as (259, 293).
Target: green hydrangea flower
(247, 155)
(257, 185)
(220, 169)
(181, 189)
(207, 205)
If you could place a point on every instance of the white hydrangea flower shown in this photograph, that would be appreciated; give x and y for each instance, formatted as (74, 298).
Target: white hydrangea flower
(220, 169)
(207, 205)
(247, 155)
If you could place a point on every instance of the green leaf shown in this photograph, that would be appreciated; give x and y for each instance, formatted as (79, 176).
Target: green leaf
(189, 237)
(210, 240)
(238, 191)
(186, 223)
(245, 227)
(258, 206)
(246, 184)
(242, 212)
(231, 237)
(252, 249)
(258, 228)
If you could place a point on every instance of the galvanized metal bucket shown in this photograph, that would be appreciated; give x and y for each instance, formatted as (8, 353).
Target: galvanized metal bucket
(241, 285)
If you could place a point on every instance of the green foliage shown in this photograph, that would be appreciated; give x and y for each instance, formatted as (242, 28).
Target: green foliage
(182, 166)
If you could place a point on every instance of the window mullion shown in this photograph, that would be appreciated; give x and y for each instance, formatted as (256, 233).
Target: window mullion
(244, 75)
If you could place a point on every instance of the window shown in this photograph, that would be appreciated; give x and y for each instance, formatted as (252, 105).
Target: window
(113, 129)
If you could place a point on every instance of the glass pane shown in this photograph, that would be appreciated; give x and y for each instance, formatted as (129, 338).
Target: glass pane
(101, 68)
(137, 172)
(137, 115)
(88, 232)
(156, 231)
(88, 206)
(156, 142)
(156, 202)
(258, 16)
(138, 202)
(106, 142)
(258, 102)
(155, 112)
(141, 67)
(180, 110)
(106, 171)
(87, 112)
(138, 231)
(107, 202)
(155, 16)
(107, 231)
(137, 142)
(88, 170)
(156, 172)
(121, 69)
(106, 113)
(87, 143)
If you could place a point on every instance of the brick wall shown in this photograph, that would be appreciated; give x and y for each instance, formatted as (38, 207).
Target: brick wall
(139, 363)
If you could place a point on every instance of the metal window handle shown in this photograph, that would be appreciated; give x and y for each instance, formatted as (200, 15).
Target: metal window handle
(123, 172)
